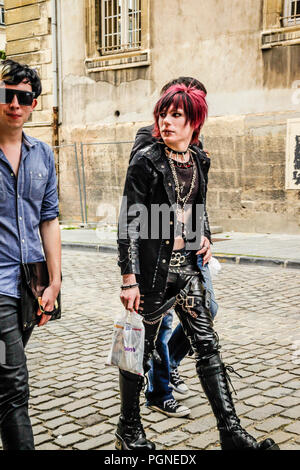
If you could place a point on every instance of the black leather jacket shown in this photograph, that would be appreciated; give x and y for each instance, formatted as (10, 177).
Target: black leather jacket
(149, 182)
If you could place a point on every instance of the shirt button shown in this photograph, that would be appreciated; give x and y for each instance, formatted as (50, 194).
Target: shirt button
(11, 174)
(170, 184)
(40, 175)
(20, 218)
(18, 196)
(171, 223)
(167, 242)
(162, 166)
(164, 261)
(23, 240)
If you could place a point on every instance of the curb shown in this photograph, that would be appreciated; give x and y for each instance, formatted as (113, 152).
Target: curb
(222, 258)
(252, 260)
(89, 247)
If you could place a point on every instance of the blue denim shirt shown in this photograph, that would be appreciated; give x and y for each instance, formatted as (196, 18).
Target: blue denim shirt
(25, 202)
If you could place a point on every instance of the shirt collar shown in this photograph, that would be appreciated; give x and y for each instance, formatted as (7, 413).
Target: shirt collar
(28, 141)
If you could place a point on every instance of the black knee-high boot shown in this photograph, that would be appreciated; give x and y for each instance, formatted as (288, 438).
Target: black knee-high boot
(16, 430)
(213, 377)
(130, 433)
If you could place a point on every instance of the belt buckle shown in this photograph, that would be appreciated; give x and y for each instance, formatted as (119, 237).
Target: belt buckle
(177, 260)
(189, 301)
(180, 299)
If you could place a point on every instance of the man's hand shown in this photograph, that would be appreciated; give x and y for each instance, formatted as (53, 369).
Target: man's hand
(130, 298)
(205, 250)
(47, 303)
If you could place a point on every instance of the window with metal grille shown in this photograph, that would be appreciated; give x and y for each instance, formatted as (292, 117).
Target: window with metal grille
(120, 25)
(291, 13)
(2, 13)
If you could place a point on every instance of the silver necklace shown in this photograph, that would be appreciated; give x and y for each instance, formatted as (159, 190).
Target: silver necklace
(181, 201)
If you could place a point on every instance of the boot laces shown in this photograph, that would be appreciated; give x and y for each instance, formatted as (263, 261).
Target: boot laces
(231, 369)
(236, 421)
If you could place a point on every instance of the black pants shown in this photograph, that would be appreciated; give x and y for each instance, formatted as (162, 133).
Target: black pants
(192, 309)
(15, 426)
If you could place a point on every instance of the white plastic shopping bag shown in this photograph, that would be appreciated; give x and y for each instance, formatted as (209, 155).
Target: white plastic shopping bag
(214, 267)
(127, 348)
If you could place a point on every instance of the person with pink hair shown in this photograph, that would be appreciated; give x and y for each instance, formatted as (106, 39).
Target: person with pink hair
(160, 235)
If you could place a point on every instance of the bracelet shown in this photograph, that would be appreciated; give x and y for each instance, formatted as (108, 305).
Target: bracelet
(129, 286)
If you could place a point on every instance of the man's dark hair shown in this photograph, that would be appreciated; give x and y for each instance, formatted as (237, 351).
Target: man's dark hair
(13, 73)
(187, 81)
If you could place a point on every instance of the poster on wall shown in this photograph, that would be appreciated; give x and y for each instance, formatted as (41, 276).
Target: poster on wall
(292, 169)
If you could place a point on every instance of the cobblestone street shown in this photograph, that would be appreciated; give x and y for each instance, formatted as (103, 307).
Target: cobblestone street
(74, 397)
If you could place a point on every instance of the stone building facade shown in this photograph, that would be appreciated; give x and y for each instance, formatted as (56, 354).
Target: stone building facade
(103, 63)
(2, 26)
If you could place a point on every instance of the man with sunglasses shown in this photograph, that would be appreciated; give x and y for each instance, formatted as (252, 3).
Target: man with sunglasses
(28, 208)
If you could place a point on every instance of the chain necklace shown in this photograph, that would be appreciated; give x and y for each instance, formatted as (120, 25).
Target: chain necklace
(181, 201)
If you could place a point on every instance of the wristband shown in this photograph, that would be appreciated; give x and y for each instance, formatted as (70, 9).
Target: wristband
(129, 286)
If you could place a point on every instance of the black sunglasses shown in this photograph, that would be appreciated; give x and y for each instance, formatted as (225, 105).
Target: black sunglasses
(25, 98)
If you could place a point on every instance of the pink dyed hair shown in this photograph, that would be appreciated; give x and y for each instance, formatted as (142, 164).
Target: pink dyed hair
(190, 99)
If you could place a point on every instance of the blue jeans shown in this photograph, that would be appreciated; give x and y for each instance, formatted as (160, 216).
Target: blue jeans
(172, 347)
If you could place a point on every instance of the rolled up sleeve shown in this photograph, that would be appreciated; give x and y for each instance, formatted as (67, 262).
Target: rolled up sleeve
(50, 208)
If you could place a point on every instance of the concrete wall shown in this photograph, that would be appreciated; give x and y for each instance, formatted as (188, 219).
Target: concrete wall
(250, 90)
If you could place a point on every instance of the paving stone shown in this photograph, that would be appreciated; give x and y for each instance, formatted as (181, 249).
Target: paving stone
(83, 412)
(41, 438)
(271, 423)
(200, 425)
(65, 429)
(293, 412)
(257, 401)
(47, 446)
(280, 436)
(41, 399)
(265, 385)
(169, 440)
(289, 446)
(105, 394)
(114, 410)
(203, 441)
(69, 439)
(247, 392)
(38, 429)
(55, 423)
(90, 420)
(77, 404)
(95, 442)
(287, 402)
(53, 403)
(83, 393)
(50, 415)
(98, 429)
(168, 424)
(293, 428)
(264, 412)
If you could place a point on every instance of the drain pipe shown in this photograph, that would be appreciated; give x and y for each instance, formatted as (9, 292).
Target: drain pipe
(55, 109)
